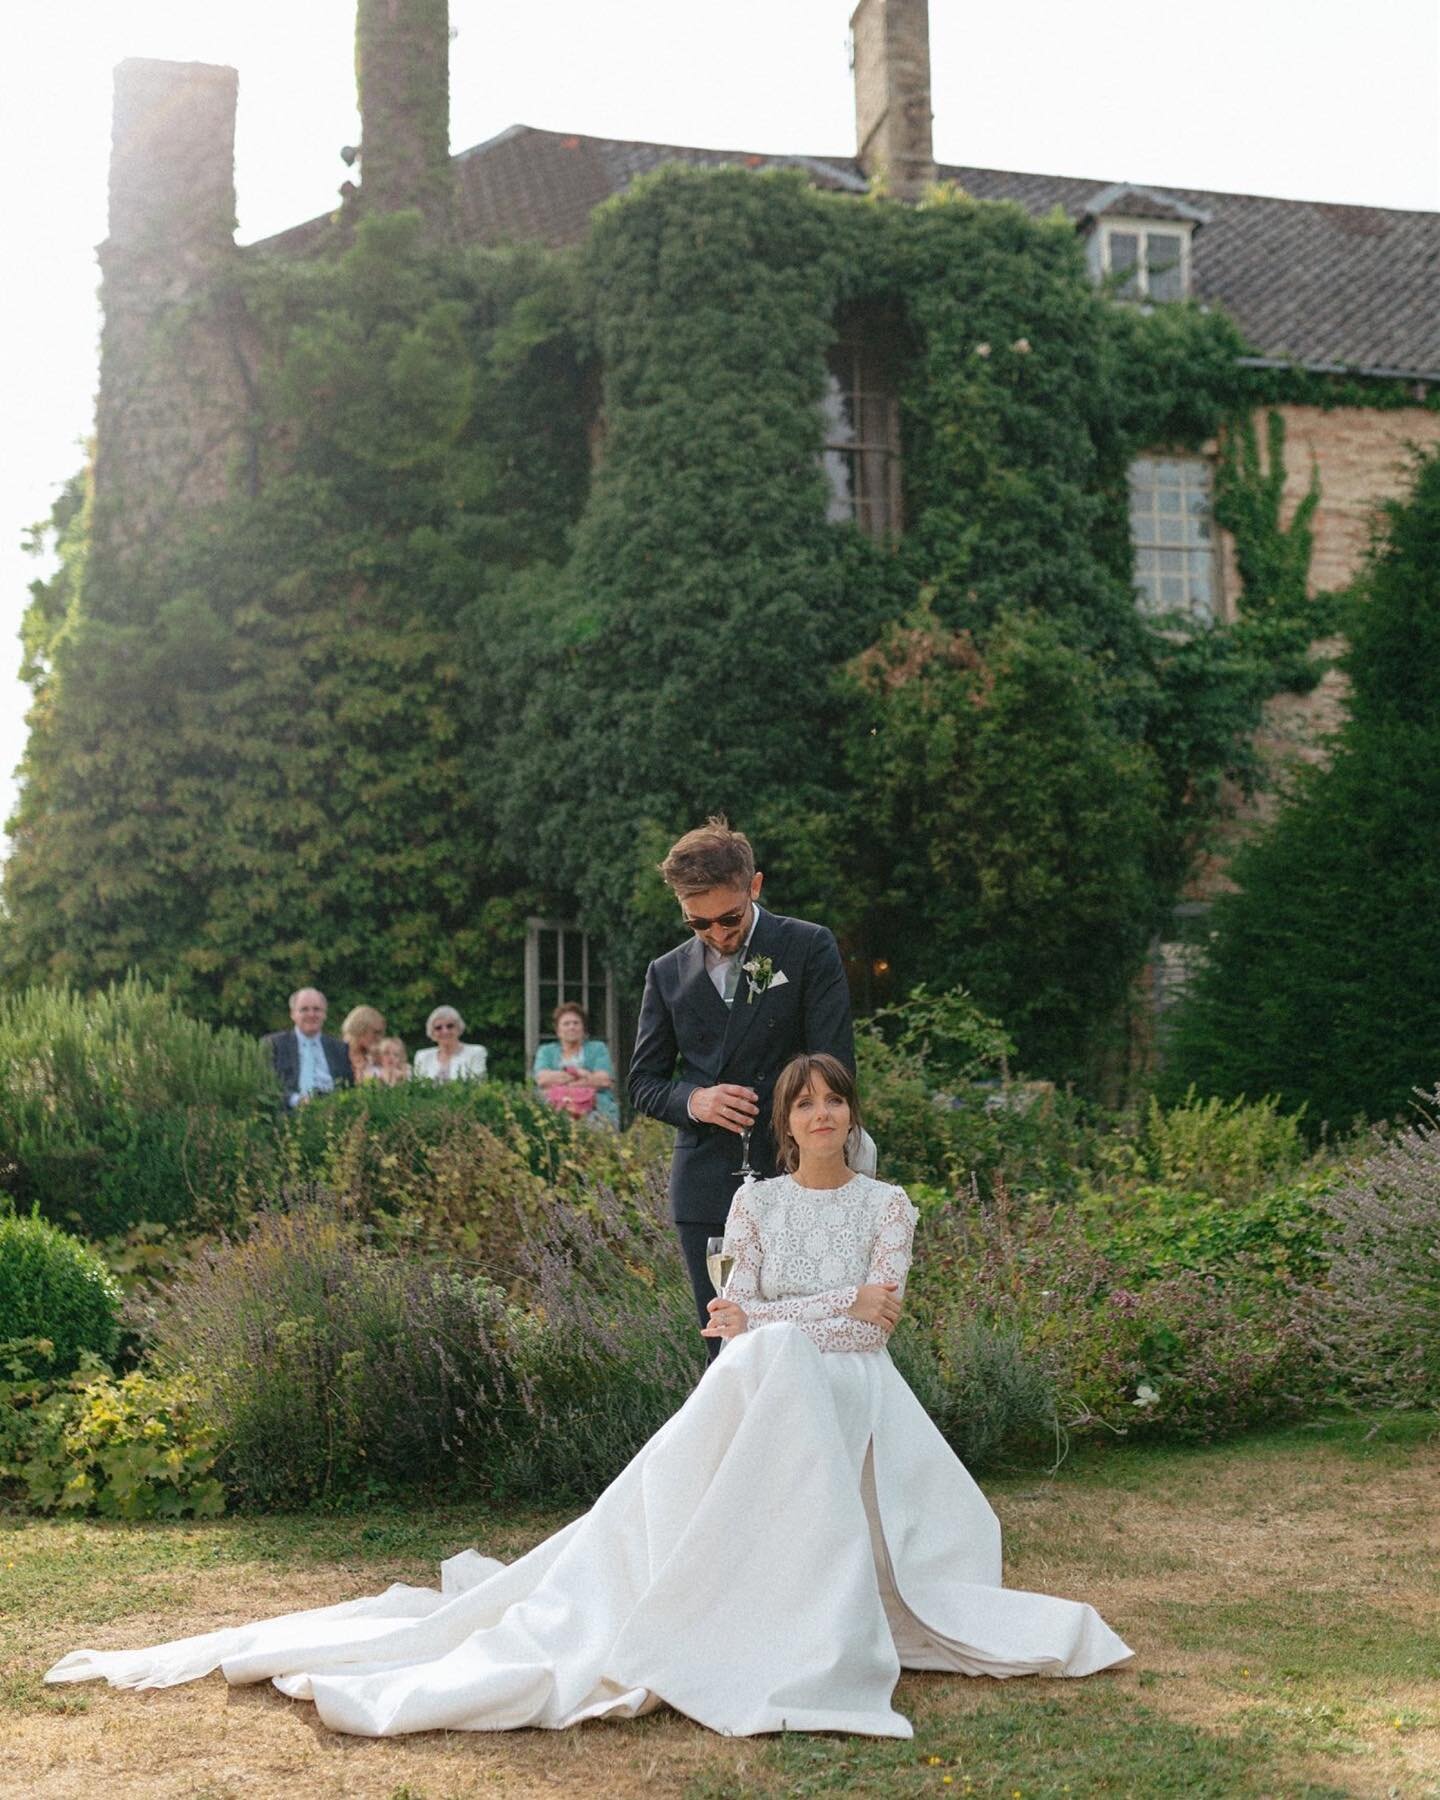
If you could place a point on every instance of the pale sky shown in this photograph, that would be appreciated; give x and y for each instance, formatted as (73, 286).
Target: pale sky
(1311, 99)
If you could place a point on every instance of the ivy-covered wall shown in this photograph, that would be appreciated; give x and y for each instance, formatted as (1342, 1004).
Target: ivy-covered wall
(435, 671)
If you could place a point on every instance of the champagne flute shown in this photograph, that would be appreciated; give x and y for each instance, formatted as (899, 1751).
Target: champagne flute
(718, 1263)
(745, 1172)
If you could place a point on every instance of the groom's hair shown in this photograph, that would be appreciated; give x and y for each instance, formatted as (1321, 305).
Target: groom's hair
(792, 1082)
(711, 856)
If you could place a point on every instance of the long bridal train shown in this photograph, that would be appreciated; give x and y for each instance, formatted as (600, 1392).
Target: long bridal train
(796, 1533)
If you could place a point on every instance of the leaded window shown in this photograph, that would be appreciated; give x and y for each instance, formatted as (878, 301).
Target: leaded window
(1171, 537)
(862, 434)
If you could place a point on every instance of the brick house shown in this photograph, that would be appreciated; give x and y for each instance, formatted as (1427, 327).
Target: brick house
(1347, 294)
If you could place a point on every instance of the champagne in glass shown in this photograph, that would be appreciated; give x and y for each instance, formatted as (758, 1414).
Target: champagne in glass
(745, 1172)
(718, 1263)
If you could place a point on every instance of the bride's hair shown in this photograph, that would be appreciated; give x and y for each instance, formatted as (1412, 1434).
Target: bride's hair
(794, 1078)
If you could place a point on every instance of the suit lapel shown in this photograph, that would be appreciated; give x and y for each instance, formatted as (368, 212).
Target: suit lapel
(698, 989)
(747, 1006)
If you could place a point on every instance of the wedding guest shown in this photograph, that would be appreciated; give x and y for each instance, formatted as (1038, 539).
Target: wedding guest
(574, 1072)
(451, 1059)
(362, 1031)
(307, 1062)
(394, 1063)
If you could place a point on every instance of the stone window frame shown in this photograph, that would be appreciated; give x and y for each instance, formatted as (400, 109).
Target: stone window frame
(1142, 230)
(861, 411)
(1159, 533)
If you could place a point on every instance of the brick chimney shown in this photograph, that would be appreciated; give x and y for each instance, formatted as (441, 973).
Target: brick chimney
(402, 66)
(173, 408)
(891, 40)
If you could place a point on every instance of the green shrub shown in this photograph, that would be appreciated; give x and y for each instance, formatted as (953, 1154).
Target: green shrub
(127, 1448)
(1229, 1149)
(990, 1398)
(941, 1106)
(461, 1168)
(119, 1107)
(330, 1371)
(55, 1288)
(1277, 1237)
(1184, 1357)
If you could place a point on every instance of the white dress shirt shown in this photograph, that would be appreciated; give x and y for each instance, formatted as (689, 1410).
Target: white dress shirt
(718, 967)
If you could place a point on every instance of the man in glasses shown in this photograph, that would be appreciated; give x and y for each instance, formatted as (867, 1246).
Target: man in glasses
(713, 1035)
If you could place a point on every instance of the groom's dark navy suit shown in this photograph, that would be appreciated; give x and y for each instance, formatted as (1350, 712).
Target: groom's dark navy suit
(688, 1038)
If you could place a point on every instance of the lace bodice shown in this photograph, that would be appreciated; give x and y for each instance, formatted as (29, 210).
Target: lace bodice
(803, 1254)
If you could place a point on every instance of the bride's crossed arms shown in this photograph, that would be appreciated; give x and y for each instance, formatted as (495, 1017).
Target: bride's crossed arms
(818, 1246)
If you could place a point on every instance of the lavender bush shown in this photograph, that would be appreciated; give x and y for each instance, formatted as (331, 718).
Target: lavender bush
(329, 1371)
(1376, 1320)
(332, 1370)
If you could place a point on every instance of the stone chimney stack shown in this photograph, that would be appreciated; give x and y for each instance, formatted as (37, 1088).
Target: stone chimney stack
(173, 402)
(402, 64)
(891, 41)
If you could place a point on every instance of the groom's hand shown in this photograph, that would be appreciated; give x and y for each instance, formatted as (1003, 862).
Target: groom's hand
(733, 1107)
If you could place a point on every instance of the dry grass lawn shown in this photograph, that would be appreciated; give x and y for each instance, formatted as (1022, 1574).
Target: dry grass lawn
(1283, 1594)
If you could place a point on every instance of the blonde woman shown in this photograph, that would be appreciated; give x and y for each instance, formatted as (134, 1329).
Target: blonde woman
(362, 1031)
(393, 1060)
(451, 1059)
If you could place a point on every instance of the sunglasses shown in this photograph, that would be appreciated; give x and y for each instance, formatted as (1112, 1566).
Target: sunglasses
(726, 921)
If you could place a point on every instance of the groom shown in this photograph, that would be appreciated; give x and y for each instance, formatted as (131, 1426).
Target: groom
(729, 1028)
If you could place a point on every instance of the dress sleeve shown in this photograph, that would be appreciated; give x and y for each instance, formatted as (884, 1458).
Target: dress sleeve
(824, 1318)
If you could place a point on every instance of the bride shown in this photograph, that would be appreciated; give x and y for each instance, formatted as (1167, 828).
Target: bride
(795, 1535)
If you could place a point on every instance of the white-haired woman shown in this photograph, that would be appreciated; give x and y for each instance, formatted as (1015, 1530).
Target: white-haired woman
(451, 1059)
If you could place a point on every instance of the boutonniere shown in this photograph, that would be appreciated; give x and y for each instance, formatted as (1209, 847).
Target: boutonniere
(763, 976)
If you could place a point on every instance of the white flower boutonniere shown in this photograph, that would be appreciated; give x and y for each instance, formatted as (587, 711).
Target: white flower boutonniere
(763, 976)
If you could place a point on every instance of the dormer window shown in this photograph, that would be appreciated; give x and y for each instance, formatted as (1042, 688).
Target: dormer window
(1145, 262)
(1140, 242)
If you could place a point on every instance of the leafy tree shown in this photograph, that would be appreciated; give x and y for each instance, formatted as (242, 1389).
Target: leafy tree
(1322, 983)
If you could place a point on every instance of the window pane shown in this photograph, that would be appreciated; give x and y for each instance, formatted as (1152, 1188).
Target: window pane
(1124, 252)
(1162, 258)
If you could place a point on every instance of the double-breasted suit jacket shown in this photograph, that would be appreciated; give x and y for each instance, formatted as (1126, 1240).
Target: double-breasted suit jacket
(688, 1038)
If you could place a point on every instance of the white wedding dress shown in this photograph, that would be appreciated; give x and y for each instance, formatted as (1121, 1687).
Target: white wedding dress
(790, 1539)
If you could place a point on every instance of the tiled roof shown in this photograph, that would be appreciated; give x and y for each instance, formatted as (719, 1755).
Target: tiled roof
(1352, 287)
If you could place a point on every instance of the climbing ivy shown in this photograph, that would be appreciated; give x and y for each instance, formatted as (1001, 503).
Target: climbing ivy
(436, 669)
(245, 767)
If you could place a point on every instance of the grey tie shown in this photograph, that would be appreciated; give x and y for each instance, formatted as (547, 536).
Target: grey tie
(732, 980)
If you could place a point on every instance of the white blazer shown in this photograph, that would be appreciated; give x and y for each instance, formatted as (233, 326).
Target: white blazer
(467, 1064)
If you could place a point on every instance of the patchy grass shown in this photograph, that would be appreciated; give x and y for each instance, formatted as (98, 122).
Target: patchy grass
(1283, 1593)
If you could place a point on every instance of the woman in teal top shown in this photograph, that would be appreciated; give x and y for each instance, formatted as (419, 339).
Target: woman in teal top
(579, 1060)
